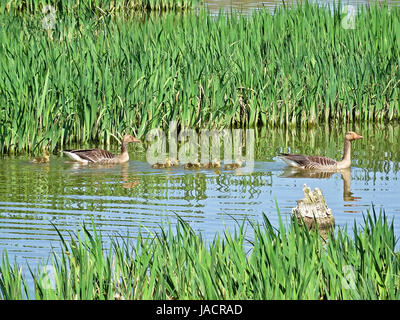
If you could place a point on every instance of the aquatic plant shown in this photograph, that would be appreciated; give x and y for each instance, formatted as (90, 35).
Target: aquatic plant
(297, 66)
(287, 262)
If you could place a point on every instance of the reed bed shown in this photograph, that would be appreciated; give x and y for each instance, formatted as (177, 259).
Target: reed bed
(92, 77)
(288, 262)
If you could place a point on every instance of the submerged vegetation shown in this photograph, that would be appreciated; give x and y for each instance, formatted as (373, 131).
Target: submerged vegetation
(285, 263)
(91, 77)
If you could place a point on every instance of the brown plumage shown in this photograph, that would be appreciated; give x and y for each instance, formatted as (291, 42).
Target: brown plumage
(191, 165)
(167, 164)
(102, 156)
(322, 163)
(216, 163)
(44, 159)
(232, 166)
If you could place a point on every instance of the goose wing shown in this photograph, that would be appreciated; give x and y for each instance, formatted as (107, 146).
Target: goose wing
(90, 155)
(294, 160)
(307, 162)
(322, 161)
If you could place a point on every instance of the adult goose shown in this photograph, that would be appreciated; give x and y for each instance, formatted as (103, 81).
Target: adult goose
(322, 163)
(102, 156)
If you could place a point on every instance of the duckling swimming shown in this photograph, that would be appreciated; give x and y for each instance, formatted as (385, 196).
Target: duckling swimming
(167, 164)
(191, 165)
(216, 163)
(174, 162)
(160, 165)
(231, 166)
(44, 159)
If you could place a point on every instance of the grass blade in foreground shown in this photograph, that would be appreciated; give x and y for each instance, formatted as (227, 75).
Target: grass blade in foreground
(179, 264)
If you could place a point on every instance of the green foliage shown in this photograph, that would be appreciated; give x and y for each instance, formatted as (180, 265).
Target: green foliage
(290, 262)
(93, 76)
(103, 6)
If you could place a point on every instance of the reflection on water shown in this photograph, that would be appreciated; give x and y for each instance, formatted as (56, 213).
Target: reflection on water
(121, 198)
(345, 174)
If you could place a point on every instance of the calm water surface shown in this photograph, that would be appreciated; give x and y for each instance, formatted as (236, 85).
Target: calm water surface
(121, 198)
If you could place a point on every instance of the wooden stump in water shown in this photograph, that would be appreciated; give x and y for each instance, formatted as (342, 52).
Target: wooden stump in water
(313, 209)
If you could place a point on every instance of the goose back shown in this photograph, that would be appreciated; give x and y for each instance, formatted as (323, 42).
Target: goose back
(91, 155)
(308, 162)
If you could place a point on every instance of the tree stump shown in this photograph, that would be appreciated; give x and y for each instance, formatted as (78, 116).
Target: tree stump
(313, 210)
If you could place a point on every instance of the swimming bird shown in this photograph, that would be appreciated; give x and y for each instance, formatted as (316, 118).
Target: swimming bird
(322, 163)
(231, 166)
(44, 159)
(102, 156)
(167, 164)
(173, 162)
(216, 163)
(191, 165)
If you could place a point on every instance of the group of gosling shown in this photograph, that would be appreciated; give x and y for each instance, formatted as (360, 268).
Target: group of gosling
(215, 164)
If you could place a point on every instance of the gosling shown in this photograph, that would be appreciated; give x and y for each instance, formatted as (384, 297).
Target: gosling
(232, 166)
(191, 165)
(167, 164)
(216, 163)
(44, 159)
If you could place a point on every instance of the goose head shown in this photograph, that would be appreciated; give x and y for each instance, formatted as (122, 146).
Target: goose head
(128, 138)
(351, 135)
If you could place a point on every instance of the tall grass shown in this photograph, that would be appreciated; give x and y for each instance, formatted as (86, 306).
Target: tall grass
(288, 262)
(107, 6)
(90, 77)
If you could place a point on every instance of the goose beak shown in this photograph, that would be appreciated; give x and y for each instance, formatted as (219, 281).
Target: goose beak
(359, 137)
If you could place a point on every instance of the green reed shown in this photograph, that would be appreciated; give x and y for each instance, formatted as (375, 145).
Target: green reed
(93, 76)
(288, 262)
(107, 6)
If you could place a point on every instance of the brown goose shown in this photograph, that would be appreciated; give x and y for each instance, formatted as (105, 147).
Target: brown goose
(322, 163)
(102, 156)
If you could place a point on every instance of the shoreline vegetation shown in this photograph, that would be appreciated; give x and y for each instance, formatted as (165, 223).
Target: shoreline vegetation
(97, 75)
(104, 7)
(287, 262)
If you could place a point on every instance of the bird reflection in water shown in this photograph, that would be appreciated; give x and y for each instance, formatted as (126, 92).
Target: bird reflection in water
(124, 172)
(124, 175)
(290, 172)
